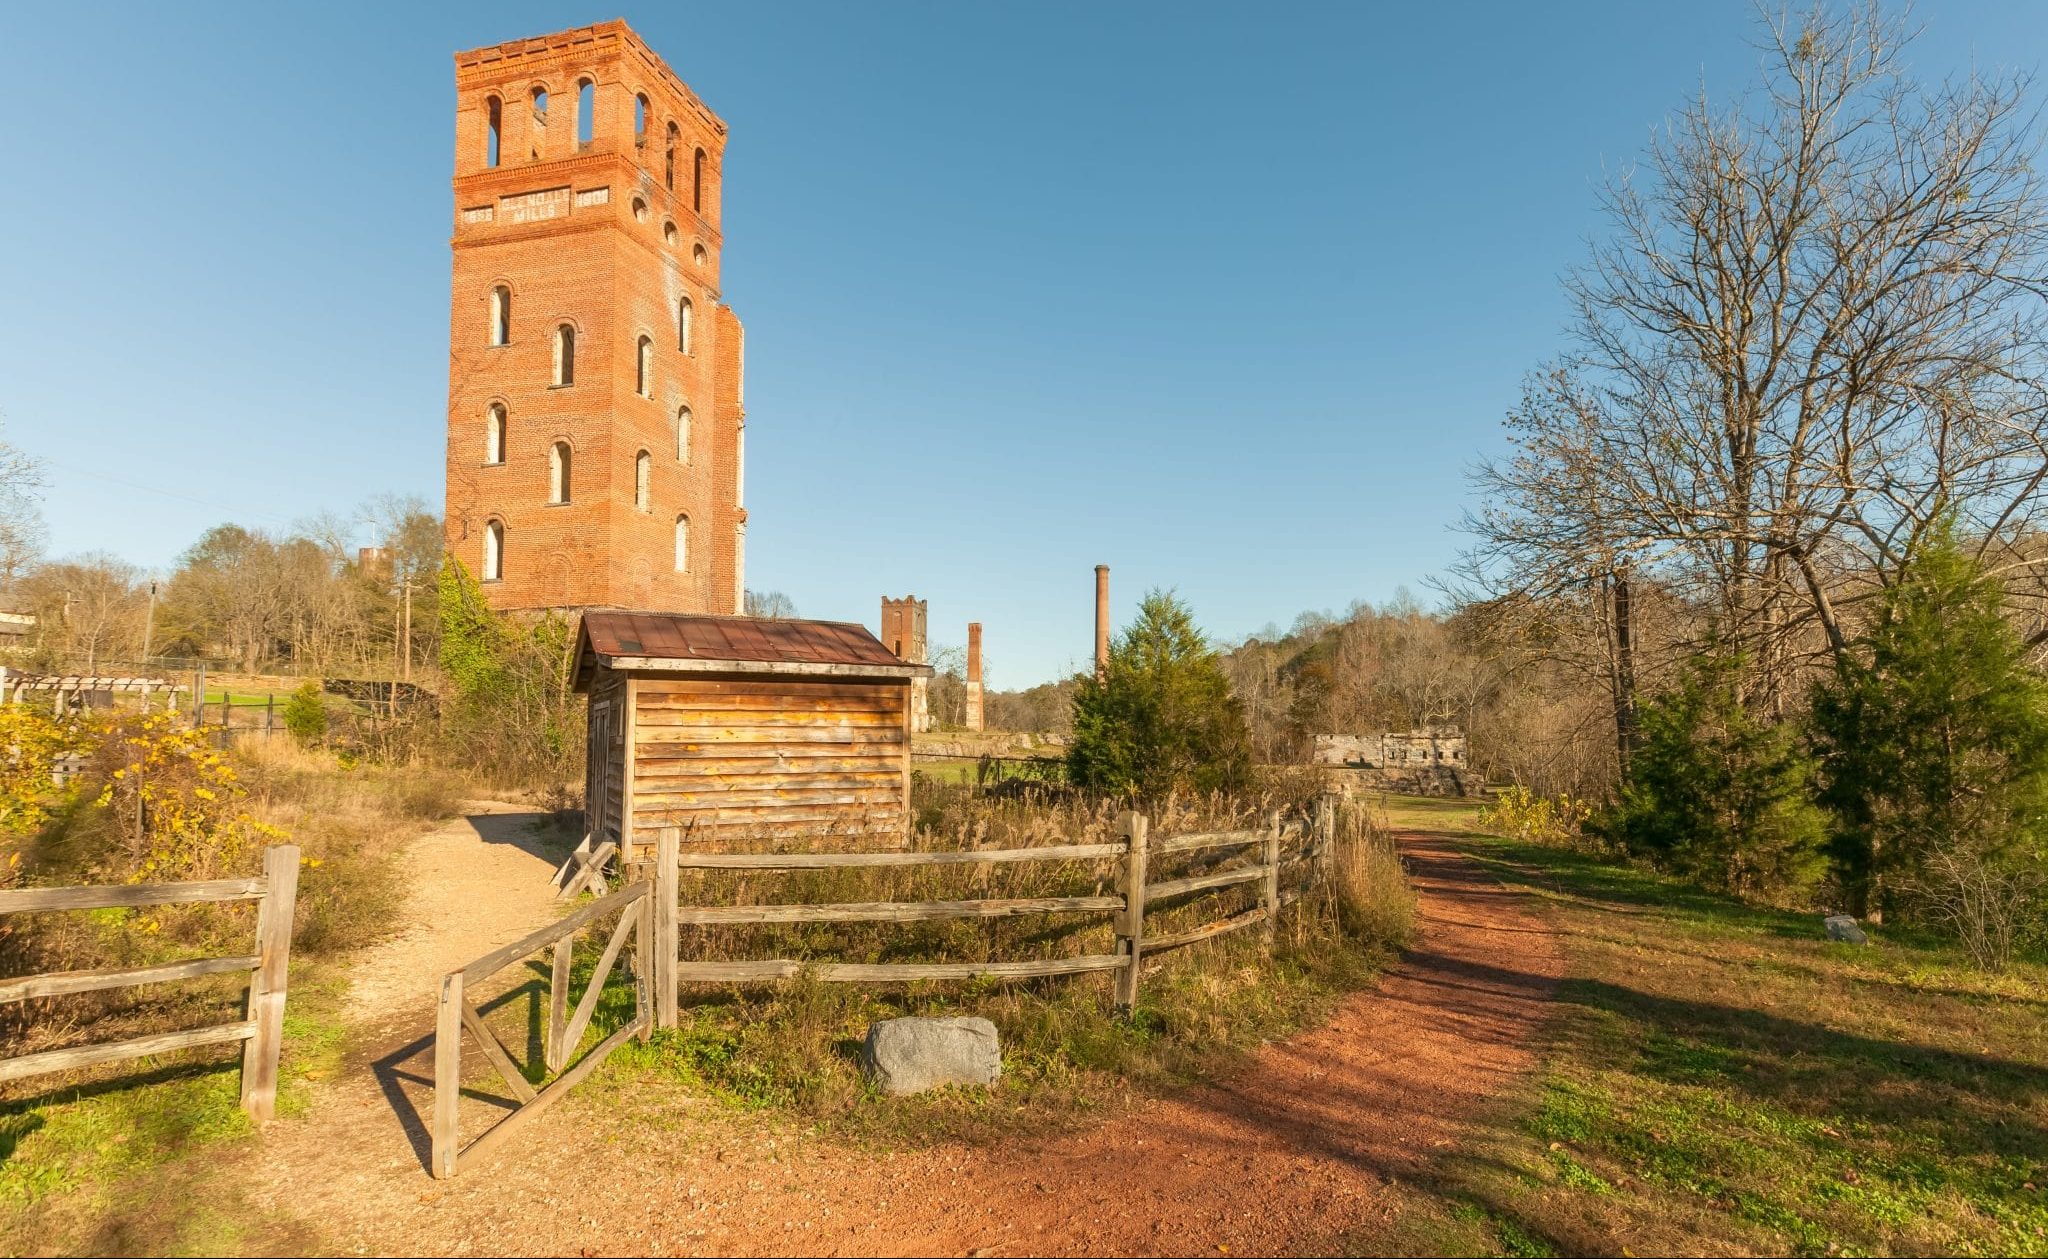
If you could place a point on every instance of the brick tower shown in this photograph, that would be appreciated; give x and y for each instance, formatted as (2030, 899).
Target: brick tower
(903, 633)
(595, 421)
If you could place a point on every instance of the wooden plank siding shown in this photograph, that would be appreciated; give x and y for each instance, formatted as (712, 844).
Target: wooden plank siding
(730, 760)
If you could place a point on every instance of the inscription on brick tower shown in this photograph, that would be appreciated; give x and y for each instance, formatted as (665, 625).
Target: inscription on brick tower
(595, 419)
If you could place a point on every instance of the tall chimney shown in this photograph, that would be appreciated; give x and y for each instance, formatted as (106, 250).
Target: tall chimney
(974, 675)
(1101, 622)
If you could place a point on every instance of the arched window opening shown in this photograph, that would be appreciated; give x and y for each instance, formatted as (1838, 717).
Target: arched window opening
(668, 233)
(639, 210)
(682, 544)
(683, 435)
(494, 434)
(494, 116)
(643, 476)
(565, 355)
(685, 318)
(639, 120)
(494, 551)
(586, 112)
(501, 315)
(697, 182)
(540, 122)
(558, 472)
(644, 385)
(698, 256)
(668, 176)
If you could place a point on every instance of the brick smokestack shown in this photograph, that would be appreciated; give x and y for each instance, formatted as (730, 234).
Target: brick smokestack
(1101, 622)
(974, 675)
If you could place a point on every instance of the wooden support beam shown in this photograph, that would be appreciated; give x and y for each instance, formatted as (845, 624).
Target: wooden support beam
(58, 984)
(667, 940)
(38, 899)
(268, 982)
(141, 1047)
(494, 1049)
(839, 860)
(900, 911)
(1131, 937)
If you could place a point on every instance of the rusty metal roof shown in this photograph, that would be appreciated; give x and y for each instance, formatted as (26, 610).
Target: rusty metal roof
(753, 643)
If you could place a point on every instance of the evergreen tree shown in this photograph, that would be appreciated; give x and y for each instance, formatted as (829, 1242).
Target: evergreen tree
(1718, 795)
(1163, 719)
(1933, 736)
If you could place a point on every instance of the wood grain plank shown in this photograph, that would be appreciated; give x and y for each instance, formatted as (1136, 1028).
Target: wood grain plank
(900, 911)
(59, 983)
(141, 1047)
(37, 899)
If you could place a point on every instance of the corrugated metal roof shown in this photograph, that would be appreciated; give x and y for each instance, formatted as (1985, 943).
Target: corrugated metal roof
(665, 636)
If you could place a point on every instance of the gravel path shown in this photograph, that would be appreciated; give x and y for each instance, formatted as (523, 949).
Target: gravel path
(1299, 1151)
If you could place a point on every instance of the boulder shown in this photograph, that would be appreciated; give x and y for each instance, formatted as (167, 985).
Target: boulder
(1842, 927)
(911, 1055)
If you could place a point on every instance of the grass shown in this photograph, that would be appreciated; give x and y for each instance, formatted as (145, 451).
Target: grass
(793, 1050)
(1722, 1079)
(84, 1155)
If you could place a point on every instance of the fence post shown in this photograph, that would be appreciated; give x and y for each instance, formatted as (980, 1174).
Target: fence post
(1131, 939)
(1326, 833)
(667, 851)
(1270, 856)
(267, 984)
(448, 1076)
(558, 1001)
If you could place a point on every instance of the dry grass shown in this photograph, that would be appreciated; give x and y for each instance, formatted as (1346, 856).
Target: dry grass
(1068, 1057)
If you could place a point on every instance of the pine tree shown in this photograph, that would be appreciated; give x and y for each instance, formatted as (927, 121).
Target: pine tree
(1164, 718)
(1718, 795)
(1933, 737)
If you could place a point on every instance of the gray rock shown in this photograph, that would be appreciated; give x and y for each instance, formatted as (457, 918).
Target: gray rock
(1842, 927)
(912, 1055)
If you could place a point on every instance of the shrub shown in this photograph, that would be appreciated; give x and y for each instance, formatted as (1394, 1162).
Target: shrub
(305, 715)
(508, 708)
(175, 800)
(1163, 719)
(1718, 795)
(32, 742)
(1520, 813)
(1933, 745)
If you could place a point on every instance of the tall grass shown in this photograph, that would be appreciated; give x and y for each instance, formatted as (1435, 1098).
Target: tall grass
(1068, 1054)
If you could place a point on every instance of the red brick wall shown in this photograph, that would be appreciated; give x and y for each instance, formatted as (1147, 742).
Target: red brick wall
(613, 278)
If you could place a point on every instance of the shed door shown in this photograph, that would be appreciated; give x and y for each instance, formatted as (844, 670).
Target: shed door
(601, 774)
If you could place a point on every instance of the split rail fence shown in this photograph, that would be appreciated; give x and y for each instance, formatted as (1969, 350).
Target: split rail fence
(651, 913)
(261, 1034)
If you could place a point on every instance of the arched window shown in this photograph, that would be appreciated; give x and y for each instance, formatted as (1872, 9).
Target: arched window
(540, 123)
(698, 256)
(639, 120)
(494, 551)
(565, 355)
(494, 434)
(669, 159)
(668, 233)
(586, 112)
(683, 435)
(639, 210)
(682, 544)
(697, 182)
(501, 315)
(558, 473)
(685, 317)
(645, 383)
(643, 477)
(494, 117)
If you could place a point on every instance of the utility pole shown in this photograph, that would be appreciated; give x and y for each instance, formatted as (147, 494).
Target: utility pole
(149, 628)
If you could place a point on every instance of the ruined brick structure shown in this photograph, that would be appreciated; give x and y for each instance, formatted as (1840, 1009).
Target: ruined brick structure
(903, 633)
(1421, 762)
(595, 421)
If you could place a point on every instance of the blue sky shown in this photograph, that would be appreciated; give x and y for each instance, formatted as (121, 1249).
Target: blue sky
(1226, 297)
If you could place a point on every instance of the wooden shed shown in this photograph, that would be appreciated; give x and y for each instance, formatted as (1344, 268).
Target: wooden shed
(740, 729)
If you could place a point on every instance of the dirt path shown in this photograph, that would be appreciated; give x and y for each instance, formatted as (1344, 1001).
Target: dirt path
(1299, 1151)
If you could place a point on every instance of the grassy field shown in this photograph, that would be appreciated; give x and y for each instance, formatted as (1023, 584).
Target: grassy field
(1723, 1080)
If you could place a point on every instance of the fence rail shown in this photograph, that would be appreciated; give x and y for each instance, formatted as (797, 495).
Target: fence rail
(261, 1033)
(458, 1014)
(651, 914)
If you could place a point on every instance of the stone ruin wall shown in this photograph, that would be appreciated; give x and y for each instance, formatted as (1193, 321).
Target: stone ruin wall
(1417, 762)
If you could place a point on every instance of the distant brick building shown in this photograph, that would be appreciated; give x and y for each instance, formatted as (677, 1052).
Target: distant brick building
(903, 633)
(595, 420)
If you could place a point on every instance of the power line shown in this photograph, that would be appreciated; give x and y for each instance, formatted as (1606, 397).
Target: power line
(154, 489)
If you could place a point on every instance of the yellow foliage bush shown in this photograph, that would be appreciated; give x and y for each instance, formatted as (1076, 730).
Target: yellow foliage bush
(176, 801)
(1520, 813)
(32, 742)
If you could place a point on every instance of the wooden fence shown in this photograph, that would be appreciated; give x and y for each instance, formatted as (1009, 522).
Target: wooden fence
(565, 1029)
(261, 1033)
(651, 910)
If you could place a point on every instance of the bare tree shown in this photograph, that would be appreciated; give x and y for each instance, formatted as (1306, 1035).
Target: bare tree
(21, 523)
(1815, 329)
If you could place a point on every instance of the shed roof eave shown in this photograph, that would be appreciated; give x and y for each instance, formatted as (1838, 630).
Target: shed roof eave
(764, 668)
